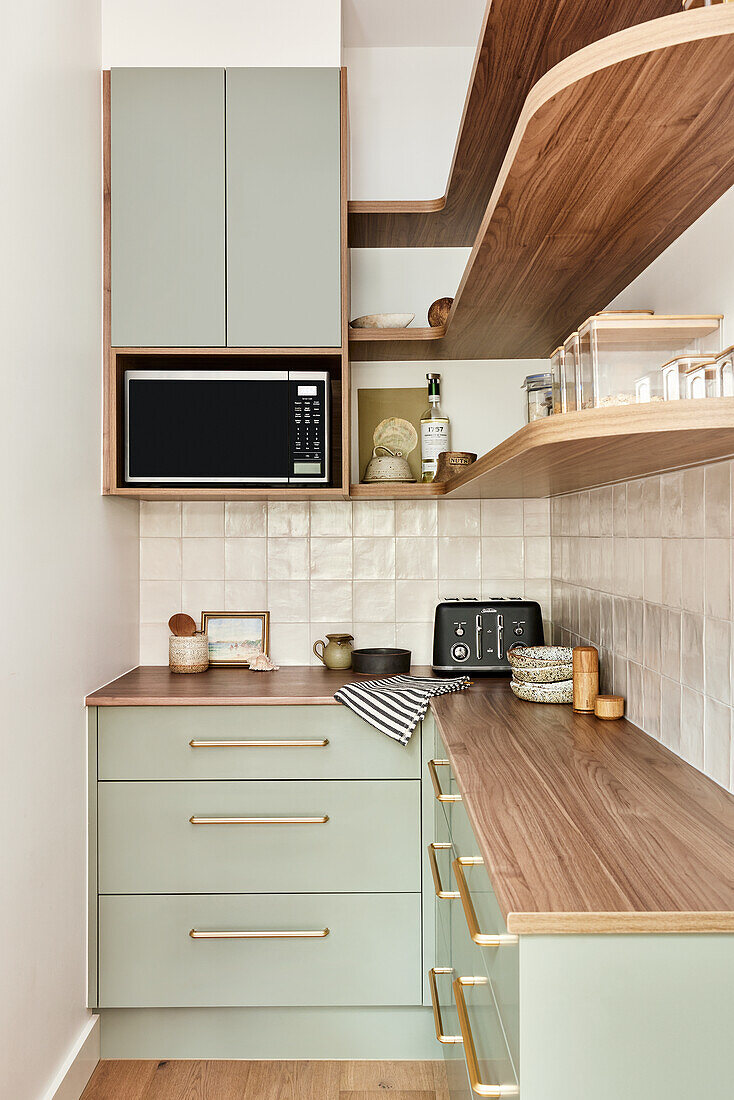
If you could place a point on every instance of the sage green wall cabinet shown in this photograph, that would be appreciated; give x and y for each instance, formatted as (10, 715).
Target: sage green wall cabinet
(167, 207)
(571, 1017)
(225, 239)
(252, 837)
(283, 208)
(371, 954)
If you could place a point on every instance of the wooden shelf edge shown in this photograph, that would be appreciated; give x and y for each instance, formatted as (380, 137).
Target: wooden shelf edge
(253, 493)
(396, 206)
(409, 491)
(393, 335)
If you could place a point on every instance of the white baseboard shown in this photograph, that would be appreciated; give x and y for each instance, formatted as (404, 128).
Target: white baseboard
(78, 1067)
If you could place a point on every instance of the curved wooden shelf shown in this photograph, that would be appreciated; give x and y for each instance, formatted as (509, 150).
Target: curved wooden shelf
(618, 150)
(581, 450)
(519, 41)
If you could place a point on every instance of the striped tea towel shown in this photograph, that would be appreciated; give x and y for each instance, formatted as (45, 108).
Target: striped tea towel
(396, 705)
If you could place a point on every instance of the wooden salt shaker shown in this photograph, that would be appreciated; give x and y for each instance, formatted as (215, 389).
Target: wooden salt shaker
(585, 678)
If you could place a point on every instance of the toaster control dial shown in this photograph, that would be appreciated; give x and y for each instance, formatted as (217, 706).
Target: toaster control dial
(460, 651)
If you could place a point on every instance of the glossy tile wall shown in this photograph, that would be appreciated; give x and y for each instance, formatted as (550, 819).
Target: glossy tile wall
(373, 568)
(643, 570)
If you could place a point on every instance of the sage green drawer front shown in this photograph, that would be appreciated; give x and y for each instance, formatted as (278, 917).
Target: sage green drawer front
(371, 955)
(370, 842)
(283, 208)
(168, 219)
(154, 743)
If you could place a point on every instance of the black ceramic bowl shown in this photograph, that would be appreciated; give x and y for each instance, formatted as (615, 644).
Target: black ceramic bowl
(381, 662)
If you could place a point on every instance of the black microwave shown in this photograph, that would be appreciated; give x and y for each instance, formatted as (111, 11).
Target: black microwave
(226, 427)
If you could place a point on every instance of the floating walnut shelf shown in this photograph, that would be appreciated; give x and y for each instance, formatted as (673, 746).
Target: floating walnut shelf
(616, 151)
(581, 450)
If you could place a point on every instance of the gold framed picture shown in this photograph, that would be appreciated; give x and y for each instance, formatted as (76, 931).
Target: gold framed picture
(235, 636)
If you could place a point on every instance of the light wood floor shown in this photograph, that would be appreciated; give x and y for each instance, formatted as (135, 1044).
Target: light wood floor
(267, 1081)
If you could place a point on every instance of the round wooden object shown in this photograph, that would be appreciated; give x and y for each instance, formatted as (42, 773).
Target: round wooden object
(609, 706)
(438, 312)
(585, 678)
(183, 626)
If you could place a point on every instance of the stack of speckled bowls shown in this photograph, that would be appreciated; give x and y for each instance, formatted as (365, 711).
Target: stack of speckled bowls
(542, 673)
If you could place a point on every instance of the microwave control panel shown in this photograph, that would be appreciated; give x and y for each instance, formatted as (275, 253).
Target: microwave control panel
(309, 427)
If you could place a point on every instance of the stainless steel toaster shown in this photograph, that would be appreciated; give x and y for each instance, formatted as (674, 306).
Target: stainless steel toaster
(473, 636)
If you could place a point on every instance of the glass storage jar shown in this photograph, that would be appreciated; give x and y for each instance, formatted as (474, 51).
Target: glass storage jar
(622, 353)
(674, 374)
(570, 363)
(556, 365)
(701, 380)
(724, 366)
(539, 392)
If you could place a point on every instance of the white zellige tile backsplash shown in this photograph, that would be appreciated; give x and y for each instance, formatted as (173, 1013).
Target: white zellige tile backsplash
(373, 568)
(643, 570)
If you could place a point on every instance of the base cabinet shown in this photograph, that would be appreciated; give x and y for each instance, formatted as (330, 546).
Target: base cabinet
(570, 1017)
(247, 859)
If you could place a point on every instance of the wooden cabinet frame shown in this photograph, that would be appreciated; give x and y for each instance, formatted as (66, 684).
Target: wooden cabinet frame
(116, 360)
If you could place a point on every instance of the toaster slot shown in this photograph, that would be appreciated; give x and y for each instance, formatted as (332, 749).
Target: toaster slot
(479, 637)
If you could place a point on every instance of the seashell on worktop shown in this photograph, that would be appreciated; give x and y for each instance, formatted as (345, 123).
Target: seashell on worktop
(543, 693)
(382, 320)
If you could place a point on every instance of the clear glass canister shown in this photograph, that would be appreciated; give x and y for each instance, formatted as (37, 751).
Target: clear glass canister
(700, 380)
(622, 354)
(556, 364)
(539, 393)
(724, 366)
(674, 374)
(570, 363)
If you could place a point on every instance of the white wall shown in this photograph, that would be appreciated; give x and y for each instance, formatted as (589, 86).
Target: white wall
(405, 107)
(68, 557)
(404, 280)
(695, 274)
(221, 32)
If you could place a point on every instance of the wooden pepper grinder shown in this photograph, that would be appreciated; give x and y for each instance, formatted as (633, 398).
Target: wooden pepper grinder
(585, 678)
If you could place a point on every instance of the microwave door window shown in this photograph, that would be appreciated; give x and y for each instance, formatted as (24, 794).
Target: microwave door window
(208, 430)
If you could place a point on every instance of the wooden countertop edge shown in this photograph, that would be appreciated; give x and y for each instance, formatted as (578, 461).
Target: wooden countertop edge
(101, 699)
(668, 923)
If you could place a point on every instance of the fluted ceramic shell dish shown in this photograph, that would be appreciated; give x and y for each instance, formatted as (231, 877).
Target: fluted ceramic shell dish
(540, 654)
(543, 693)
(543, 674)
(382, 320)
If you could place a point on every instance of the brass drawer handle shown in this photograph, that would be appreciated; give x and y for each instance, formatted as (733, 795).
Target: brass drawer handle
(440, 796)
(478, 1087)
(259, 744)
(259, 820)
(315, 934)
(484, 939)
(440, 892)
(437, 1022)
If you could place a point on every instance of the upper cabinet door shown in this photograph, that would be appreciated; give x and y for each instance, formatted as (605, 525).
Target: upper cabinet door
(167, 205)
(283, 208)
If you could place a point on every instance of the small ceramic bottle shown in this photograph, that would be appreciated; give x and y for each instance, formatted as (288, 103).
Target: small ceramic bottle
(337, 652)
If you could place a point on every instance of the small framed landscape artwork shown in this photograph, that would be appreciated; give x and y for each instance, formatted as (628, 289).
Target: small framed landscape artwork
(235, 636)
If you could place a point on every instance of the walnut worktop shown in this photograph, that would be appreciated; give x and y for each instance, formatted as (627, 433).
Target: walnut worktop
(294, 685)
(588, 826)
(584, 826)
